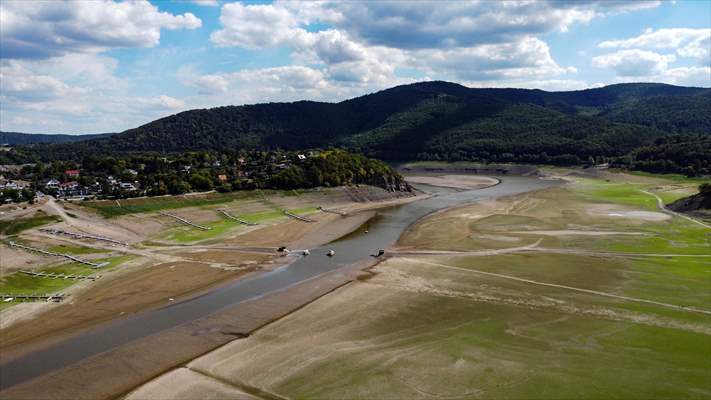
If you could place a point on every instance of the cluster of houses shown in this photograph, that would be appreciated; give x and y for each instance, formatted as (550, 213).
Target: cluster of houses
(13, 184)
(73, 185)
(72, 188)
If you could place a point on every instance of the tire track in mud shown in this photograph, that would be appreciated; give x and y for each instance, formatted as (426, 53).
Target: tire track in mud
(555, 285)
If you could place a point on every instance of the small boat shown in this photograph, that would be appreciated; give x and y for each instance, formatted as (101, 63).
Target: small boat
(380, 253)
(331, 253)
(366, 231)
(306, 252)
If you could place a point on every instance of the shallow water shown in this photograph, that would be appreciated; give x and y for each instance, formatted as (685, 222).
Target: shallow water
(383, 230)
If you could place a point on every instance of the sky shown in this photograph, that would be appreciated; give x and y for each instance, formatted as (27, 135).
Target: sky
(96, 66)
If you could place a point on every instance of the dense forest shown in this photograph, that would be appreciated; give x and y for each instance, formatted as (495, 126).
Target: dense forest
(687, 154)
(15, 138)
(624, 124)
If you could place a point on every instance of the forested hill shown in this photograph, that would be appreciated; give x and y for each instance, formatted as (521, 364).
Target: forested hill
(436, 120)
(15, 138)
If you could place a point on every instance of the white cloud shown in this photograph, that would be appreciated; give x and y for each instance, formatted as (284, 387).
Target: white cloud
(207, 3)
(543, 84)
(634, 62)
(529, 57)
(42, 29)
(254, 25)
(20, 84)
(687, 42)
(77, 93)
(347, 56)
(691, 76)
(210, 84)
(437, 24)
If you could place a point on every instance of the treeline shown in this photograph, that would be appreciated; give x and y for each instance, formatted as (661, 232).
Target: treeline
(683, 154)
(118, 176)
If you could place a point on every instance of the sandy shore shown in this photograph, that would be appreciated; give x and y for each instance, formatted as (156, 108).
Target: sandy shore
(464, 182)
(138, 362)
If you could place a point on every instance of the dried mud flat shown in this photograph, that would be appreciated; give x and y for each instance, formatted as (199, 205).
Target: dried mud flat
(114, 297)
(122, 370)
(163, 272)
(12, 260)
(171, 386)
(507, 323)
(464, 182)
(390, 335)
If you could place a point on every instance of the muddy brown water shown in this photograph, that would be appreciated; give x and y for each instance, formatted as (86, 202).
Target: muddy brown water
(383, 231)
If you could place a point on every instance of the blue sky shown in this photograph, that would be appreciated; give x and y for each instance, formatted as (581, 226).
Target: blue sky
(106, 66)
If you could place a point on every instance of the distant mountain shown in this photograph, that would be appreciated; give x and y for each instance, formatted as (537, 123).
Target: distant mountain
(436, 120)
(15, 138)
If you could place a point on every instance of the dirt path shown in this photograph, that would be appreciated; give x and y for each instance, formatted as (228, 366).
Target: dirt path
(661, 206)
(482, 253)
(577, 289)
(530, 248)
(52, 205)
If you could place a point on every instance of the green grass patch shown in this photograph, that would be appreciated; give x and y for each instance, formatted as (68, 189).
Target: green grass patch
(18, 283)
(112, 209)
(619, 193)
(66, 249)
(188, 234)
(15, 226)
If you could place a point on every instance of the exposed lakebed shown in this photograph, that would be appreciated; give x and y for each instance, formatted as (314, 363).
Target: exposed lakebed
(383, 231)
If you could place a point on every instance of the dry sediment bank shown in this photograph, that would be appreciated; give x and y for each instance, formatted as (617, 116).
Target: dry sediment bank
(132, 291)
(463, 182)
(141, 360)
(144, 287)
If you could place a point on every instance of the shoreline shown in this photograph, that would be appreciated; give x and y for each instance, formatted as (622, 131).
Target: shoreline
(297, 296)
(16, 350)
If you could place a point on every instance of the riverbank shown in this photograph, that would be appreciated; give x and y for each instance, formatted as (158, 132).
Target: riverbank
(481, 300)
(140, 288)
(168, 274)
(296, 297)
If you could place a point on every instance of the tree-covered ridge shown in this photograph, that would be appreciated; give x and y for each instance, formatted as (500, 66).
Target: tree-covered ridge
(427, 120)
(15, 138)
(687, 154)
(677, 114)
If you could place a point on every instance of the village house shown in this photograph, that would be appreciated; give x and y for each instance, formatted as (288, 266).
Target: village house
(222, 177)
(69, 185)
(52, 184)
(17, 185)
(71, 189)
(72, 173)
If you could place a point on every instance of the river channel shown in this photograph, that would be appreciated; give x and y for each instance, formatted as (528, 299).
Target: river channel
(383, 231)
